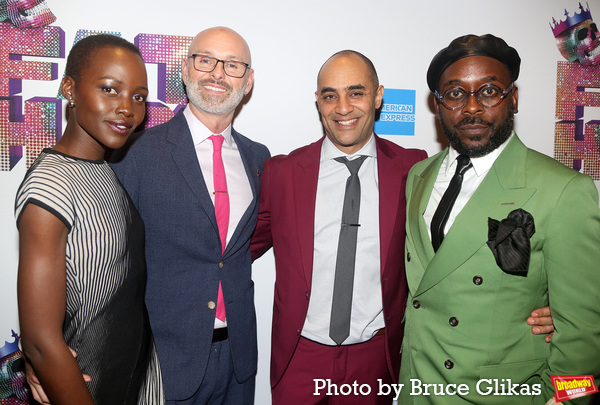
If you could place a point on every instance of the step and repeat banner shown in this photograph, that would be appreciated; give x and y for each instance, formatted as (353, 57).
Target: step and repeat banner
(559, 89)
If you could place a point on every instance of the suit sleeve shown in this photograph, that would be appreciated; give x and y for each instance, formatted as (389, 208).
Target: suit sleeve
(262, 240)
(572, 260)
(124, 164)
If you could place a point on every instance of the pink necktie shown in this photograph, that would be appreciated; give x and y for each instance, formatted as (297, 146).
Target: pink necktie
(221, 207)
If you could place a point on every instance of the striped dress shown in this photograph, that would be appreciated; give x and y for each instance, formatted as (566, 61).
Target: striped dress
(106, 321)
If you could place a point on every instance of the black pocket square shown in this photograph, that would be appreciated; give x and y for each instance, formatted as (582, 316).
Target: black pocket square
(509, 241)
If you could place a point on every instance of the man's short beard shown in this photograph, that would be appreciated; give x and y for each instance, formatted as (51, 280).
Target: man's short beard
(499, 135)
(207, 103)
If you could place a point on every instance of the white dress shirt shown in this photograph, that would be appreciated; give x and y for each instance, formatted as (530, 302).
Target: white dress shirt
(238, 185)
(471, 181)
(367, 308)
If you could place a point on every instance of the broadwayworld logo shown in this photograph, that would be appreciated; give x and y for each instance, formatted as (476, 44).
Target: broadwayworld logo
(572, 386)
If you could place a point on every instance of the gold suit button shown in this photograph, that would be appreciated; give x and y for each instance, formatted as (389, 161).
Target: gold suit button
(221, 264)
(211, 305)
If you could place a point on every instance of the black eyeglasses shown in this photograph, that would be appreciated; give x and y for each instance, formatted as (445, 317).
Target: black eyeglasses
(488, 95)
(207, 64)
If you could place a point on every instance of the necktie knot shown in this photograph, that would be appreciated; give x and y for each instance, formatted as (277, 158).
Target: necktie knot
(217, 141)
(463, 164)
(352, 165)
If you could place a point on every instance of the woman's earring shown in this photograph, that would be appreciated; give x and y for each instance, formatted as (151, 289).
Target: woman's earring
(71, 103)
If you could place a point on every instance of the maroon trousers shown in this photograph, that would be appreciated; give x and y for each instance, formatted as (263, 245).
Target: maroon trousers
(337, 375)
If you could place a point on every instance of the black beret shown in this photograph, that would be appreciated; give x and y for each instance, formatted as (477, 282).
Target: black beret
(473, 45)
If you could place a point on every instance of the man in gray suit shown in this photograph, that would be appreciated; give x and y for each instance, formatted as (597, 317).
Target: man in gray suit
(192, 260)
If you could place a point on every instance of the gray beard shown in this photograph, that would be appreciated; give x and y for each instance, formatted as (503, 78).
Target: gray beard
(499, 135)
(208, 104)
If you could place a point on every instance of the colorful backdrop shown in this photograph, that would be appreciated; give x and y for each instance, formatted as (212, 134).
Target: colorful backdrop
(559, 88)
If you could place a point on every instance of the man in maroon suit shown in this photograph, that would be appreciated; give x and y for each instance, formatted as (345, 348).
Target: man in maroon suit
(300, 215)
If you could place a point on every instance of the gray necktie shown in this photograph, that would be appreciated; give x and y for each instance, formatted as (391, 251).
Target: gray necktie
(339, 328)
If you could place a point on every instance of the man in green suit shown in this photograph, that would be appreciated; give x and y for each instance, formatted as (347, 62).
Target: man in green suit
(494, 230)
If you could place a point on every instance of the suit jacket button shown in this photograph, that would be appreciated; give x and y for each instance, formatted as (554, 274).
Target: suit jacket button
(408, 257)
(449, 364)
(477, 280)
(221, 264)
(211, 305)
(416, 304)
(453, 321)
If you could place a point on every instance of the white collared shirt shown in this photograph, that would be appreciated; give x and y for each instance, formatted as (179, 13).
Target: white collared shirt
(471, 181)
(238, 185)
(367, 307)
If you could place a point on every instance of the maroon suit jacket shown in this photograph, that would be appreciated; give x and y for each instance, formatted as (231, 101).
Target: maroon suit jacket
(286, 222)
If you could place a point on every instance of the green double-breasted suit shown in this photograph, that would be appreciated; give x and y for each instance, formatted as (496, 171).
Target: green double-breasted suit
(466, 318)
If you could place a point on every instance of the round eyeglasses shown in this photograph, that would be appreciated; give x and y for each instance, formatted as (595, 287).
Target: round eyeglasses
(207, 64)
(488, 95)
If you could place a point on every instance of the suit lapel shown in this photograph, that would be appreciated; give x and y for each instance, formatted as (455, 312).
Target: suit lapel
(185, 158)
(502, 191)
(422, 186)
(306, 175)
(251, 166)
(183, 153)
(389, 196)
